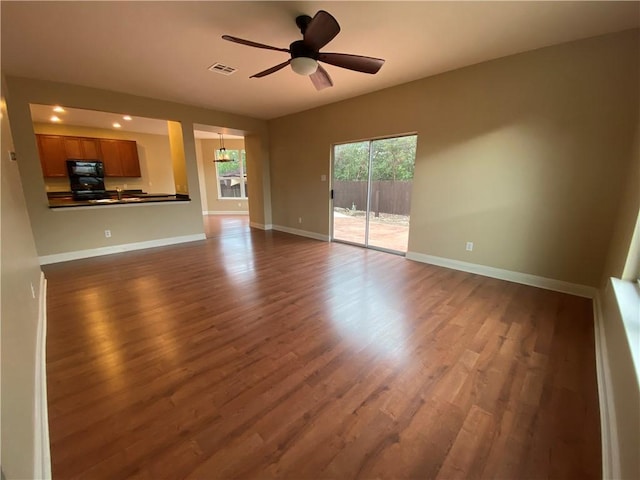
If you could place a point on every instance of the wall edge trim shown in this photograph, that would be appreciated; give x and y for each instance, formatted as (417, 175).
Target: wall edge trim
(261, 226)
(125, 247)
(41, 448)
(501, 274)
(225, 212)
(302, 233)
(608, 425)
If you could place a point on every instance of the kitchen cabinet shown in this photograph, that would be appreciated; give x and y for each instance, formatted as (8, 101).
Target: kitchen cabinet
(73, 148)
(90, 148)
(129, 157)
(120, 157)
(53, 156)
(55, 150)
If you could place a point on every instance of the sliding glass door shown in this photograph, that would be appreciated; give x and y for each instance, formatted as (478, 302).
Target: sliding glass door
(372, 183)
(350, 192)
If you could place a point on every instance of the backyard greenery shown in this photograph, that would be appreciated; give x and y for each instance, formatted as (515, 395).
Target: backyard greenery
(231, 167)
(393, 159)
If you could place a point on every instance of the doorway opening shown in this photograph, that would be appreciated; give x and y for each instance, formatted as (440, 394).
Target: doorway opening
(222, 174)
(371, 191)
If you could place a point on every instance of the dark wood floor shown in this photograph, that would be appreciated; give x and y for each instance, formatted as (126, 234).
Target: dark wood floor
(262, 354)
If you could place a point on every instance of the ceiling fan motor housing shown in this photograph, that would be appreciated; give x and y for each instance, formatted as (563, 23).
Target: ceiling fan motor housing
(299, 49)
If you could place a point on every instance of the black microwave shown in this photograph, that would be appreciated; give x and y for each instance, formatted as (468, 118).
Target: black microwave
(85, 168)
(86, 178)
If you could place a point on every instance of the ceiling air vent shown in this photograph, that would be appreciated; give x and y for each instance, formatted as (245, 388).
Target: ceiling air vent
(222, 69)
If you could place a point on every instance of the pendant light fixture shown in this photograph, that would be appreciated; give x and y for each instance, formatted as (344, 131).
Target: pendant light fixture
(222, 155)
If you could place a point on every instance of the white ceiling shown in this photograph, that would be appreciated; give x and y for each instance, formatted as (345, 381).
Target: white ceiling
(105, 120)
(163, 49)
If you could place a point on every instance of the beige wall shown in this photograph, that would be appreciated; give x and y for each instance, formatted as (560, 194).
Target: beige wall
(523, 155)
(201, 180)
(623, 260)
(20, 270)
(259, 180)
(153, 151)
(72, 230)
(214, 204)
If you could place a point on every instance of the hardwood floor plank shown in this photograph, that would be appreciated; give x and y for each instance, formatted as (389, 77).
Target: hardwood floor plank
(470, 448)
(264, 355)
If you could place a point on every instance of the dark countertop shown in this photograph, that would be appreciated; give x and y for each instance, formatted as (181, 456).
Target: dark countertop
(65, 200)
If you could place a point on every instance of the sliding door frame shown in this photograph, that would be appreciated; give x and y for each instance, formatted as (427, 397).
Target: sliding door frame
(368, 203)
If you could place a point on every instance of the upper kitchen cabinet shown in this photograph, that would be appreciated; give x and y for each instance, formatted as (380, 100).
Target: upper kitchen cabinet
(129, 157)
(120, 158)
(53, 156)
(55, 150)
(90, 148)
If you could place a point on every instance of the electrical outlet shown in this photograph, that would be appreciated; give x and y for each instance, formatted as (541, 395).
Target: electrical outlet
(323, 178)
(469, 246)
(299, 219)
(107, 233)
(12, 156)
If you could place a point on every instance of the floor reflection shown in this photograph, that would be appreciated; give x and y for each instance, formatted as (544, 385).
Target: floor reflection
(216, 226)
(235, 248)
(364, 311)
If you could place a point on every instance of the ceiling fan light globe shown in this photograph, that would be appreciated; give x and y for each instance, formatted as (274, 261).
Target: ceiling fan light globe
(304, 65)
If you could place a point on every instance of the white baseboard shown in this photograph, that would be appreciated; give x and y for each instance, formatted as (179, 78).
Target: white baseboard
(302, 233)
(261, 226)
(126, 247)
(517, 277)
(41, 449)
(608, 423)
(225, 212)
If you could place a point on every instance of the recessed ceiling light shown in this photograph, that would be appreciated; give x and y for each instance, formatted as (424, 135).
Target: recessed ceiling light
(126, 117)
(58, 109)
(55, 119)
(116, 125)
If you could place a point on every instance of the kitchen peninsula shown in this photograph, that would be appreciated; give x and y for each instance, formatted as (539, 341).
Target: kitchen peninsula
(126, 197)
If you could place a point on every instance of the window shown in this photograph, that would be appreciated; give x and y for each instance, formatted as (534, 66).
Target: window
(232, 176)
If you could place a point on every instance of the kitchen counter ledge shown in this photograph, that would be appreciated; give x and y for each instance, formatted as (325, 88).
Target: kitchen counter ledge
(67, 202)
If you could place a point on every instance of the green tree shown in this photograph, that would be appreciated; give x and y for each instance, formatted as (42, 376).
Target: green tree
(393, 159)
(232, 167)
(351, 161)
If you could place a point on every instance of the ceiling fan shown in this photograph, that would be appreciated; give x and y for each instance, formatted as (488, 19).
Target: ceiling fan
(305, 53)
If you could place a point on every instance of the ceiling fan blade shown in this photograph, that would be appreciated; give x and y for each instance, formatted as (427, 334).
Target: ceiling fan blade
(253, 44)
(321, 30)
(352, 62)
(271, 70)
(321, 79)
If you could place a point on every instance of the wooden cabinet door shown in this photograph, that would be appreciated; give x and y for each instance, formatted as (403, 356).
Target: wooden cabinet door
(73, 148)
(111, 158)
(128, 150)
(90, 148)
(53, 156)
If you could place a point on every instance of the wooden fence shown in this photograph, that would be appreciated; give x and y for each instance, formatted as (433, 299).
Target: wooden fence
(386, 196)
